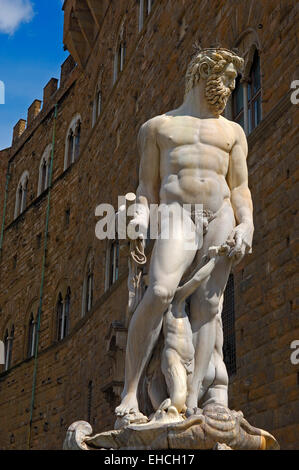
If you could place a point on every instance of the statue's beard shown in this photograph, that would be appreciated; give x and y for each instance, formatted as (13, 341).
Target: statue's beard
(216, 93)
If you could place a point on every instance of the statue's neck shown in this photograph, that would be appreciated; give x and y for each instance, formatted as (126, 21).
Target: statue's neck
(195, 104)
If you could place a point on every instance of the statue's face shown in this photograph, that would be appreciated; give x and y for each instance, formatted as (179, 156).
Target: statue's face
(219, 87)
(228, 76)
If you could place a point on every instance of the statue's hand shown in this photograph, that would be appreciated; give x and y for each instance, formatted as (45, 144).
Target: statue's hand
(138, 225)
(240, 241)
(137, 228)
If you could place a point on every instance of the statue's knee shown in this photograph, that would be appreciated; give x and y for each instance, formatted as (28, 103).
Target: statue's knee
(162, 294)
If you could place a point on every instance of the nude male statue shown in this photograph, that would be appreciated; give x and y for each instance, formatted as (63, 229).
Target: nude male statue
(191, 155)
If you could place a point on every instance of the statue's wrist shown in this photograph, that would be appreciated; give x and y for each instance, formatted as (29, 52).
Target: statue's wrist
(247, 222)
(141, 211)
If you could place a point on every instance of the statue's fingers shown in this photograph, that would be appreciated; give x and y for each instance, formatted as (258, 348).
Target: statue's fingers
(239, 242)
(231, 239)
(248, 248)
(237, 249)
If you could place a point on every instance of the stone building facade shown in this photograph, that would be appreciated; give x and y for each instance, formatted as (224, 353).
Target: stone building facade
(127, 64)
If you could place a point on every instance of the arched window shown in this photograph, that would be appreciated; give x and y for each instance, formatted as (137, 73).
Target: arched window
(21, 194)
(8, 343)
(120, 53)
(19, 200)
(44, 175)
(112, 264)
(67, 304)
(63, 314)
(87, 297)
(254, 94)
(238, 103)
(246, 98)
(31, 336)
(77, 140)
(96, 109)
(71, 148)
(44, 170)
(145, 7)
(60, 319)
(72, 143)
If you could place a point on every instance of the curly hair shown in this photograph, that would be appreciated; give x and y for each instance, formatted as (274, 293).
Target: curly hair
(215, 58)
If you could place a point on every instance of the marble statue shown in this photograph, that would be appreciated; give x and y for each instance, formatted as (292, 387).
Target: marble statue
(191, 155)
(193, 162)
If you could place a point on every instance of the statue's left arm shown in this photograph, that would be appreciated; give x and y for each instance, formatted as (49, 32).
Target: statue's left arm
(241, 201)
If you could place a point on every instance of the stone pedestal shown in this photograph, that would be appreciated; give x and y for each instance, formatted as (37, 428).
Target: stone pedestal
(215, 427)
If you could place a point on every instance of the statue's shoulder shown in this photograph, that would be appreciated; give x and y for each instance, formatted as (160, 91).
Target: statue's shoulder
(151, 126)
(235, 128)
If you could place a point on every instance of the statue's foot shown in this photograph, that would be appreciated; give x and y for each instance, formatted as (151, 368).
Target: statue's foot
(166, 414)
(192, 402)
(193, 411)
(129, 405)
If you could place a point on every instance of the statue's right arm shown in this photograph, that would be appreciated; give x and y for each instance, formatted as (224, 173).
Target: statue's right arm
(149, 170)
(149, 177)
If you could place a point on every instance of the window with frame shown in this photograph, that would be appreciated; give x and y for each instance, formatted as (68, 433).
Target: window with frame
(8, 345)
(238, 102)
(21, 195)
(120, 53)
(44, 170)
(119, 59)
(63, 314)
(72, 148)
(246, 98)
(112, 266)
(77, 140)
(254, 94)
(88, 288)
(145, 7)
(44, 176)
(96, 109)
(228, 322)
(32, 328)
(89, 400)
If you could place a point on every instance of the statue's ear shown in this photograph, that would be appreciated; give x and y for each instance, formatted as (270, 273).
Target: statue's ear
(204, 70)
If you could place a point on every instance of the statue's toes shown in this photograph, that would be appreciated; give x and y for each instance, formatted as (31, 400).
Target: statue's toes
(193, 411)
(165, 404)
(172, 411)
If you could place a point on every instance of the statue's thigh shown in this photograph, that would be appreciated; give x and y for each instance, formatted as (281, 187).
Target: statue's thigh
(212, 288)
(219, 229)
(171, 256)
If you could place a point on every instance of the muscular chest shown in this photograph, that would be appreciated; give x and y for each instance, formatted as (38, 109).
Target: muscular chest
(192, 143)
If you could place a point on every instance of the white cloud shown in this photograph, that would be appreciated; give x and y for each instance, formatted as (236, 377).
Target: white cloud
(13, 13)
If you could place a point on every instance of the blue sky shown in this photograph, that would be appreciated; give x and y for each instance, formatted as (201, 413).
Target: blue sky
(31, 52)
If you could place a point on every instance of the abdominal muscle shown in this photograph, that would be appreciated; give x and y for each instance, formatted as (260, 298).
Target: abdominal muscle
(192, 187)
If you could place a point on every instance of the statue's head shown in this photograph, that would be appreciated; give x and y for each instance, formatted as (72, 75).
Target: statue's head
(218, 67)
